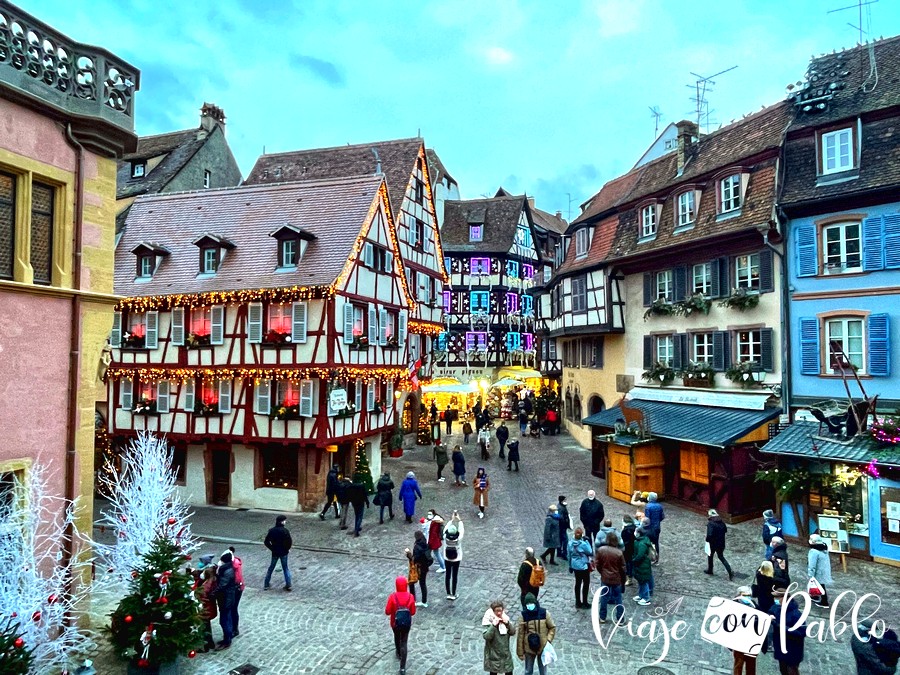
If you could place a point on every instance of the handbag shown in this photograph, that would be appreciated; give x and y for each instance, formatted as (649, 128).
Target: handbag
(549, 655)
(708, 549)
(413, 575)
(815, 589)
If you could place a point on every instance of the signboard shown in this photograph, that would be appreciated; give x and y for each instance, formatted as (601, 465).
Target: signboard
(745, 400)
(833, 529)
(338, 399)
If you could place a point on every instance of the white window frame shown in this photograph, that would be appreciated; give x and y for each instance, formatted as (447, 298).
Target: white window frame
(844, 322)
(665, 349)
(701, 273)
(289, 246)
(210, 260)
(476, 232)
(648, 221)
(147, 265)
(207, 178)
(138, 169)
(837, 148)
(702, 348)
(582, 242)
(730, 197)
(840, 266)
(748, 343)
(665, 285)
(744, 266)
(687, 212)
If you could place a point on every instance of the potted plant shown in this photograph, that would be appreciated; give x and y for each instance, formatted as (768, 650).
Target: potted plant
(133, 341)
(145, 406)
(741, 299)
(392, 343)
(197, 340)
(698, 374)
(360, 343)
(695, 304)
(395, 445)
(660, 307)
(742, 373)
(660, 373)
(349, 411)
(379, 407)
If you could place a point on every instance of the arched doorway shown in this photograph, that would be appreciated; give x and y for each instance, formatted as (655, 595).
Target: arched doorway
(410, 418)
(576, 410)
(595, 405)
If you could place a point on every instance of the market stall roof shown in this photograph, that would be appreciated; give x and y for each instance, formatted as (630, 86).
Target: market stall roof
(707, 425)
(447, 389)
(797, 441)
(506, 382)
(519, 373)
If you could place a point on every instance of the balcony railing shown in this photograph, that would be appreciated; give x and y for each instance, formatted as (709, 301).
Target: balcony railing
(81, 79)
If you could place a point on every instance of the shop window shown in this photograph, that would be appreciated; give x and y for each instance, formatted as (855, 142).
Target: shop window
(694, 463)
(890, 515)
(279, 467)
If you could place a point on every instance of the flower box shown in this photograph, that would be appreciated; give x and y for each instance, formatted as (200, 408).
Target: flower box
(286, 412)
(695, 304)
(130, 341)
(740, 299)
(659, 373)
(275, 338)
(346, 412)
(378, 409)
(197, 340)
(660, 307)
(359, 344)
(206, 409)
(144, 407)
(745, 373)
(392, 344)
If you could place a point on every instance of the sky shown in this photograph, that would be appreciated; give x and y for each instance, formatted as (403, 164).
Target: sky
(551, 99)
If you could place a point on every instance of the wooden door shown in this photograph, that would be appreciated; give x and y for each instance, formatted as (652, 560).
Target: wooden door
(649, 464)
(618, 475)
(220, 464)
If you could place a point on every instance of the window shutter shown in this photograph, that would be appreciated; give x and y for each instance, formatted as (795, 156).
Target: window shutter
(188, 395)
(224, 396)
(254, 322)
(178, 326)
(162, 396)
(873, 244)
(126, 387)
(115, 338)
(766, 271)
(401, 329)
(648, 290)
(368, 254)
(429, 244)
(373, 325)
(807, 256)
(413, 231)
(263, 397)
(720, 356)
(382, 326)
(891, 241)
(680, 276)
(388, 261)
(714, 290)
(217, 325)
(879, 345)
(370, 394)
(810, 361)
(298, 322)
(152, 339)
(725, 280)
(767, 349)
(357, 394)
(306, 398)
(648, 351)
(348, 323)
(679, 354)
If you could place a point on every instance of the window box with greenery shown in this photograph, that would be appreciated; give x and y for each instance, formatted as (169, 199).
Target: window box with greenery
(741, 299)
(206, 409)
(286, 412)
(696, 304)
(378, 408)
(360, 343)
(660, 307)
(276, 338)
(745, 373)
(392, 343)
(133, 341)
(197, 340)
(660, 373)
(144, 406)
(349, 411)
(698, 374)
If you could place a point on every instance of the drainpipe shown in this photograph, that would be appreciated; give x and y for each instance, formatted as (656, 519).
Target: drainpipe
(785, 324)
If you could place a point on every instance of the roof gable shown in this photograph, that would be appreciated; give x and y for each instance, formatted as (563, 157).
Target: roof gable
(176, 149)
(500, 216)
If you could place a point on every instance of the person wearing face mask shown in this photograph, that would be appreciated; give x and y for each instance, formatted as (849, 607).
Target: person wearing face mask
(535, 630)
(435, 533)
(591, 513)
(497, 632)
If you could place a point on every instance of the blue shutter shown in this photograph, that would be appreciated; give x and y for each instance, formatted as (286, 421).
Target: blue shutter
(879, 345)
(714, 290)
(680, 282)
(767, 348)
(766, 271)
(679, 354)
(648, 352)
(721, 344)
(891, 241)
(873, 244)
(807, 258)
(726, 281)
(810, 361)
(648, 290)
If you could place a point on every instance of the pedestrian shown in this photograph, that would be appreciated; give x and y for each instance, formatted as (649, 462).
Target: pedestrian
(225, 587)
(523, 420)
(331, 490)
(780, 563)
(484, 441)
(551, 534)
(359, 499)
(591, 513)
(580, 555)
(551, 422)
(435, 536)
(467, 431)
(565, 524)
(482, 485)
(409, 492)
(771, 527)
(527, 575)
(343, 497)
(789, 652)
(639, 498)
(279, 542)
(715, 540)
(654, 511)
(643, 572)
(421, 558)
(441, 459)
(763, 585)
(238, 590)
(476, 412)
(453, 536)
(744, 664)
(459, 465)
(819, 568)
(448, 420)
(401, 607)
(610, 563)
(513, 455)
(498, 630)
(627, 538)
(606, 528)
(434, 413)
(502, 435)
(384, 497)
(874, 656)
(206, 594)
(534, 631)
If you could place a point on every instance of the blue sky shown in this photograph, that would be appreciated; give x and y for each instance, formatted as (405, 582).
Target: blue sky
(548, 98)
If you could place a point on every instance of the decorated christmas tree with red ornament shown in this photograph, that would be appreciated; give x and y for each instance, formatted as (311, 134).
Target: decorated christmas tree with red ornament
(15, 655)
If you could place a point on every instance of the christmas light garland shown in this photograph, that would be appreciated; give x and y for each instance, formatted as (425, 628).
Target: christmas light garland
(286, 294)
(145, 374)
(418, 327)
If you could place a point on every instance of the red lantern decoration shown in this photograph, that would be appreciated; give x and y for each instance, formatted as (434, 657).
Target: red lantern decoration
(52, 598)
(19, 643)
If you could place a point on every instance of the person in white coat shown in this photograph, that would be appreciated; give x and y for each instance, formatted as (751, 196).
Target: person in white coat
(452, 540)
(819, 567)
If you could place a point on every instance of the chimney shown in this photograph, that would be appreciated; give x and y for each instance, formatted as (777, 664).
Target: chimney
(688, 133)
(531, 202)
(211, 116)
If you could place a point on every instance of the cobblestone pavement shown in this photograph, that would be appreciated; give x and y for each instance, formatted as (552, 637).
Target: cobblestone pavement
(334, 621)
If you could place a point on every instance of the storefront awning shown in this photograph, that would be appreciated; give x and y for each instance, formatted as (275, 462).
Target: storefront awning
(507, 382)
(798, 439)
(448, 389)
(519, 373)
(702, 424)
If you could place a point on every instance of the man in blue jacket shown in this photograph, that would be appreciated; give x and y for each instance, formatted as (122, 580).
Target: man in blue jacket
(279, 542)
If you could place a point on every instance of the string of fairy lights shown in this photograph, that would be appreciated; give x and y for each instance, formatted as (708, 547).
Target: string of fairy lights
(425, 328)
(209, 298)
(155, 374)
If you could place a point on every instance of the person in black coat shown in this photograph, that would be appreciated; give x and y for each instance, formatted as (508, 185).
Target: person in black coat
(592, 514)
(779, 560)
(359, 498)
(279, 542)
(502, 434)
(434, 412)
(343, 497)
(226, 586)
(715, 537)
(788, 653)
(331, 490)
(513, 455)
(459, 465)
(384, 498)
(562, 508)
(627, 537)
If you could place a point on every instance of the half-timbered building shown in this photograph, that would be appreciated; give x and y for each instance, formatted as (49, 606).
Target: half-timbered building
(264, 332)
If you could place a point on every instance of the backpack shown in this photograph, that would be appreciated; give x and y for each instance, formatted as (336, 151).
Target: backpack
(536, 578)
(451, 551)
(534, 642)
(402, 617)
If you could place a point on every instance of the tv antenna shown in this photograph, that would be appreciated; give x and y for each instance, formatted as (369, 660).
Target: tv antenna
(569, 195)
(702, 86)
(859, 7)
(656, 114)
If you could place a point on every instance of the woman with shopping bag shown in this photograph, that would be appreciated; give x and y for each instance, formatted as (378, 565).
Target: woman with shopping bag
(819, 571)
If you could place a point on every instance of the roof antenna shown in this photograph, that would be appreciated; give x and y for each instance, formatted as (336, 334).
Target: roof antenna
(654, 112)
(701, 87)
(377, 161)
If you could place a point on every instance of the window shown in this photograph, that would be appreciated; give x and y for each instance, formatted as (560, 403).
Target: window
(512, 269)
(648, 221)
(702, 279)
(442, 340)
(421, 240)
(480, 301)
(137, 330)
(513, 342)
(476, 340)
(837, 151)
(579, 294)
(209, 395)
(145, 266)
(703, 348)
(476, 232)
(749, 346)
(287, 252)
(447, 264)
(138, 169)
(730, 193)
(686, 211)
(665, 350)
(201, 321)
(378, 258)
(527, 271)
(7, 224)
(423, 283)
(664, 288)
(280, 317)
(746, 270)
(527, 305)
(207, 179)
(846, 335)
(551, 349)
(287, 393)
(481, 266)
(528, 341)
(582, 242)
(548, 272)
(445, 297)
(420, 192)
(523, 236)
(42, 198)
(512, 303)
(210, 260)
(359, 321)
(842, 248)
(279, 467)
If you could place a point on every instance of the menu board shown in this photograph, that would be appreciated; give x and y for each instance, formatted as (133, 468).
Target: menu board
(833, 529)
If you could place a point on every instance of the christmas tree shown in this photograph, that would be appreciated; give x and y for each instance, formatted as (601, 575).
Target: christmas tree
(423, 434)
(160, 617)
(15, 655)
(361, 472)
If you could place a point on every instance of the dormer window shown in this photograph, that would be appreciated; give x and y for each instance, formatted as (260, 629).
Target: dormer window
(288, 253)
(292, 242)
(476, 232)
(730, 193)
(582, 242)
(686, 209)
(146, 263)
(210, 258)
(837, 151)
(138, 169)
(148, 256)
(207, 179)
(212, 251)
(648, 221)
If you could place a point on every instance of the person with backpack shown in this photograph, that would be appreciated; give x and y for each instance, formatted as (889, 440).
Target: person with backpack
(643, 572)
(384, 497)
(401, 607)
(459, 465)
(502, 435)
(441, 459)
(278, 541)
(467, 431)
(238, 590)
(627, 538)
(535, 630)
(331, 490)
(771, 527)
(580, 554)
(513, 455)
(482, 485)
(551, 535)
(498, 630)
(452, 539)
(531, 576)
(409, 492)
(715, 539)
(421, 559)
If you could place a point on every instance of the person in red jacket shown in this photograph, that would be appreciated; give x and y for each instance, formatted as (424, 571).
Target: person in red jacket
(401, 607)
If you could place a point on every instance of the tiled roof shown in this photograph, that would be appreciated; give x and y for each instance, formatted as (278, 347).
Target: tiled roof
(702, 424)
(604, 235)
(398, 158)
(178, 147)
(552, 223)
(436, 168)
(611, 194)
(500, 216)
(798, 439)
(332, 210)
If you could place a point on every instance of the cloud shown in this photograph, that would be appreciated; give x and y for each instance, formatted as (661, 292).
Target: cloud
(619, 17)
(498, 56)
(324, 70)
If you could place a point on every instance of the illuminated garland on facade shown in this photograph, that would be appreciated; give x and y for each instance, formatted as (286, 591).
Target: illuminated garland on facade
(438, 248)
(146, 374)
(425, 328)
(288, 294)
